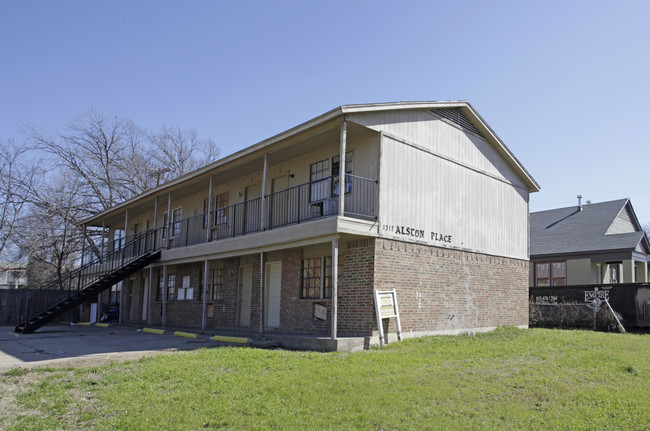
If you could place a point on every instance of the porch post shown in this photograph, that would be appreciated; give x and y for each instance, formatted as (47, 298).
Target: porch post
(168, 227)
(206, 279)
(262, 291)
(102, 251)
(265, 176)
(126, 225)
(150, 297)
(335, 284)
(208, 226)
(344, 132)
(164, 296)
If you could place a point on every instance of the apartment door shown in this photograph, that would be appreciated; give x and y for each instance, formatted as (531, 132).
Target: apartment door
(252, 209)
(245, 295)
(279, 202)
(272, 289)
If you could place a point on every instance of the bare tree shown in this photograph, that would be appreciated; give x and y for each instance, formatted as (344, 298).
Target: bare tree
(181, 151)
(16, 180)
(49, 236)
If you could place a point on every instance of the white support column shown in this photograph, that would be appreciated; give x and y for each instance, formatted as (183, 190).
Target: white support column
(342, 149)
(126, 225)
(206, 279)
(99, 307)
(150, 297)
(265, 176)
(208, 226)
(168, 228)
(164, 297)
(335, 286)
(155, 223)
(102, 250)
(121, 307)
(262, 292)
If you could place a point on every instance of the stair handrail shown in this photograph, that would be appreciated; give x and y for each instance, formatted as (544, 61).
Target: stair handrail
(143, 243)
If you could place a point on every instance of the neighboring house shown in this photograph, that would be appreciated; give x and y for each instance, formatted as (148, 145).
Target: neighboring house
(598, 243)
(435, 207)
(13, 275)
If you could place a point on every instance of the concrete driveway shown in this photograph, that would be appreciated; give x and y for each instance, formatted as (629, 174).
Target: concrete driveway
(60, 345)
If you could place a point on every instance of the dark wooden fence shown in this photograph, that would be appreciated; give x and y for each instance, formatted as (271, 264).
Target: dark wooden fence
(572, 306)
(10, 300)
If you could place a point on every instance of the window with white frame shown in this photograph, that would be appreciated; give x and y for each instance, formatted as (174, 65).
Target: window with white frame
(317, 277)
(318, 185)
(177, 216)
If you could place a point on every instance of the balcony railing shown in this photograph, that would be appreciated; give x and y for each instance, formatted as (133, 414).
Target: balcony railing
(291, 206)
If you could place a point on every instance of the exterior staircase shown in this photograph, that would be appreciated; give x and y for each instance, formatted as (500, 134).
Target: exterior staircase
(87, 282)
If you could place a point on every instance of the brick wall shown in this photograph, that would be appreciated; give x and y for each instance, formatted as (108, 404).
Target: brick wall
(223, 313)
(296, 314)
(447, 290)
(356, 312)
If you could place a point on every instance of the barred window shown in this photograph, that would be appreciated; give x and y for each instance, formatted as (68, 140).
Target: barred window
(317, 277)
(221, 209)
(216, 288)
(171, 287)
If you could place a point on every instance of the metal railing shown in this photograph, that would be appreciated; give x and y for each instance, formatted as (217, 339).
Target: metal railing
(72, 282)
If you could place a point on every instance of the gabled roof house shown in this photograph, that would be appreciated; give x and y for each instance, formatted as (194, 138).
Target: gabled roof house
(598, 243)
(293, 235)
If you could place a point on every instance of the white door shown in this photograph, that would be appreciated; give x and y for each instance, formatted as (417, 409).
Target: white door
(272, 289)
(245, 294)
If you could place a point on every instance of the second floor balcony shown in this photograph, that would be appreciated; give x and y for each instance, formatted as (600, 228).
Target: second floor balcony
(295, 205)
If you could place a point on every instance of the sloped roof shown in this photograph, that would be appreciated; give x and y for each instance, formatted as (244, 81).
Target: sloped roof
(570, 231)
(340, 114)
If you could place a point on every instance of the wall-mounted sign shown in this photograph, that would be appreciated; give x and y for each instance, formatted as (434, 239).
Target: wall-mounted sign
(414, 232)
(386, 307)
(320, 311)
(591, 295)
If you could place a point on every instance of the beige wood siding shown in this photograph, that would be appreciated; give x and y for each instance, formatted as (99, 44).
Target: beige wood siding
(442, 138)
(426, 198)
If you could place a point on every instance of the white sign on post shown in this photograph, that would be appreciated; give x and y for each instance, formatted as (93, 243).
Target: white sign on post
(385, 308)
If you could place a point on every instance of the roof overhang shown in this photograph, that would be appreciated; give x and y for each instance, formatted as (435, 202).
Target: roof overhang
(336, 115)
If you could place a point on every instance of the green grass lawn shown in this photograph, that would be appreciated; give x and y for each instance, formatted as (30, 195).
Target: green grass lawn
(507, 379)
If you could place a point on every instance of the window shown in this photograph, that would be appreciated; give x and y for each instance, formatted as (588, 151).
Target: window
(206, 212)
(171, 287)
(613, 269)
(335, 174)
(177, 216)
(550, 273)
(221, 209)
(319, 188)
(317, 277)
(216, 288)
(119, 237)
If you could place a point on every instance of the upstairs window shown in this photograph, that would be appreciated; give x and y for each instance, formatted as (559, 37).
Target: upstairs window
(177, 216)
(221, 209)
(335, 174)
(319, 186)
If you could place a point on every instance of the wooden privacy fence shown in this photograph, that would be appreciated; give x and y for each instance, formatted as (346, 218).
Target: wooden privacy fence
(573, 306)
(10, 300)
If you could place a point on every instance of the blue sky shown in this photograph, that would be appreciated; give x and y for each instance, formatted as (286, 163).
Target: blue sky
(563, 83)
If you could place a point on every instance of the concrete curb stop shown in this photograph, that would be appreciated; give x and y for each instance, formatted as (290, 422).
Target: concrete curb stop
(184, 334)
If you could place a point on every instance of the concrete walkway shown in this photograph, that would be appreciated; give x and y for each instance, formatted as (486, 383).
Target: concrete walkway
(64, 345)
